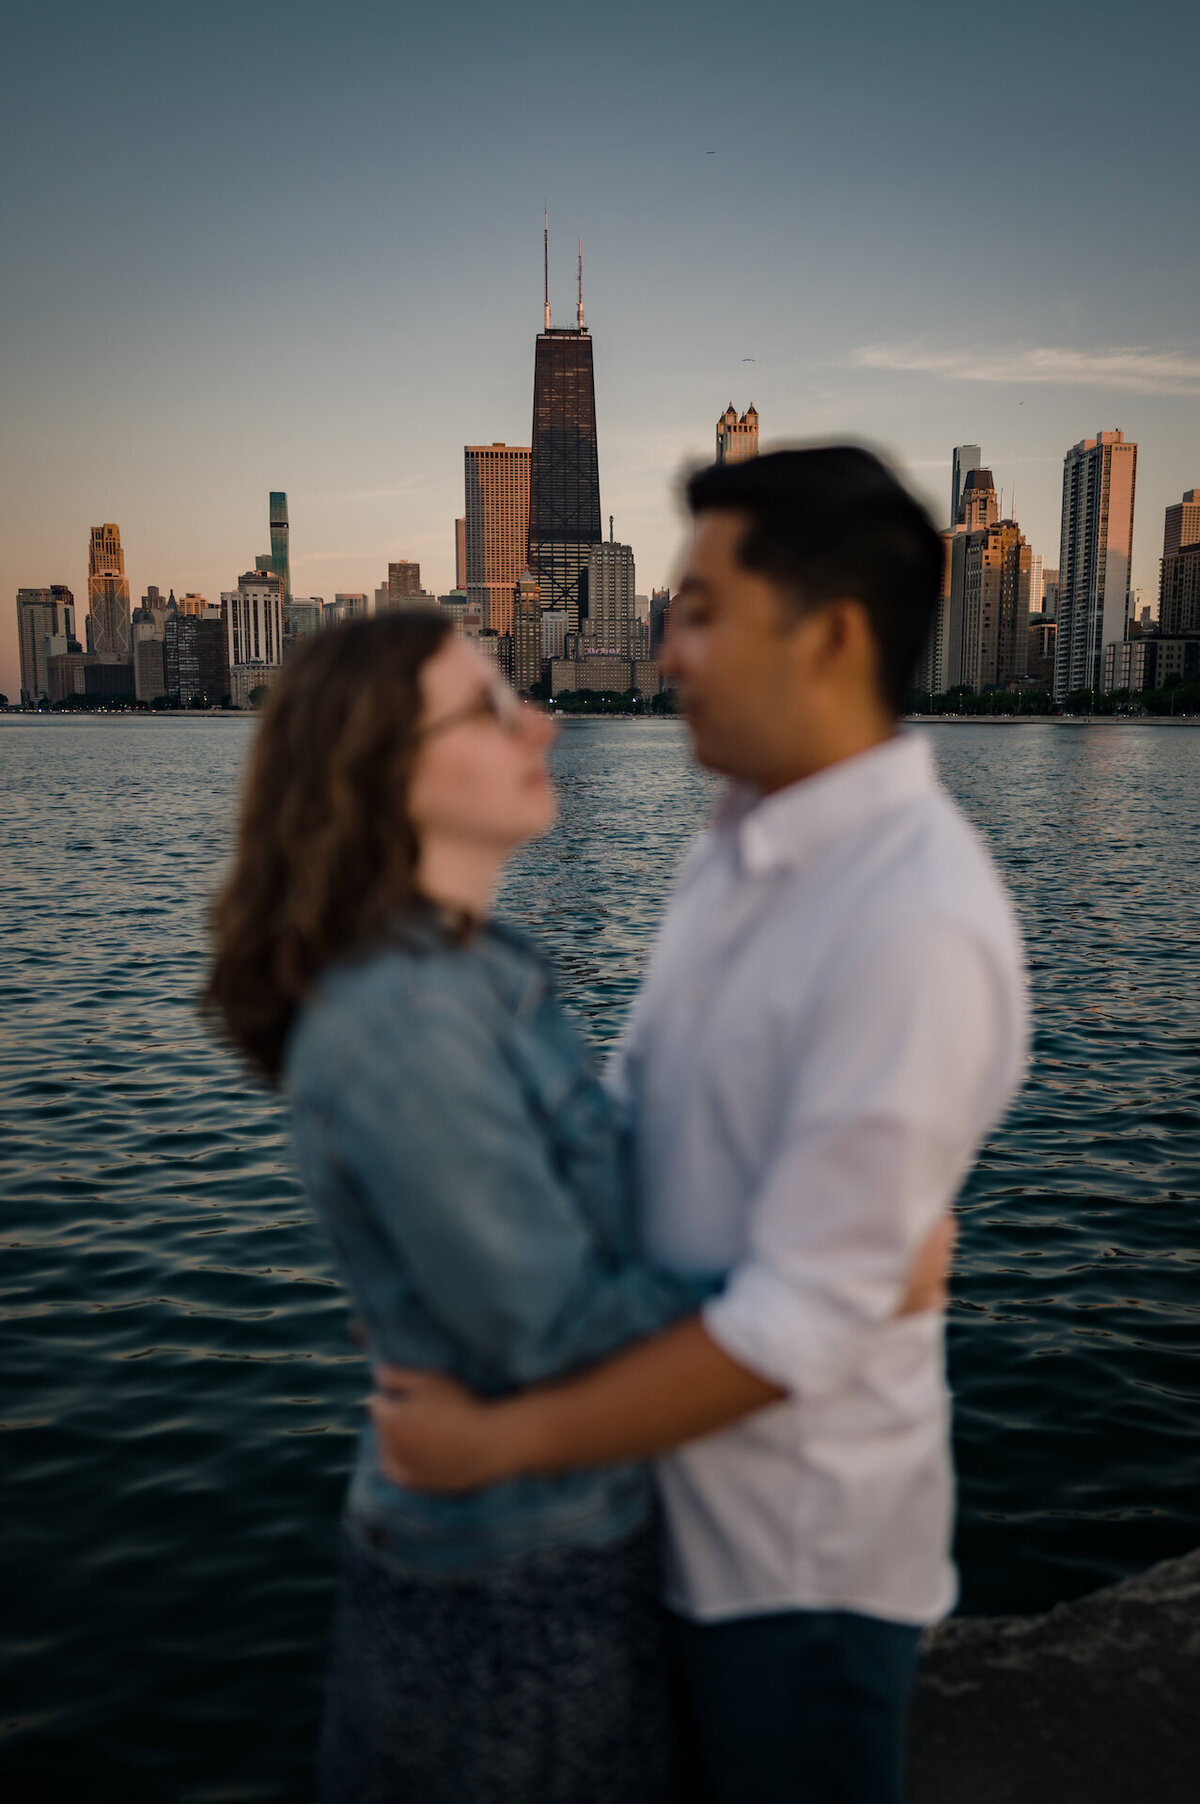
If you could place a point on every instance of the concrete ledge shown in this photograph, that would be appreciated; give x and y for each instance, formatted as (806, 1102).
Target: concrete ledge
(1097, 1702)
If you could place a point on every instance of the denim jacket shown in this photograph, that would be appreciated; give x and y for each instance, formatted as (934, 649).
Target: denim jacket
(469, 1171)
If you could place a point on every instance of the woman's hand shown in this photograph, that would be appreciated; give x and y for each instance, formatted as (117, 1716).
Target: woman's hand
(432, 1433)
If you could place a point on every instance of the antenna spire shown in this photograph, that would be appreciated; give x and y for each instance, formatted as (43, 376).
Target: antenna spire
(579, 309)
(546, 268)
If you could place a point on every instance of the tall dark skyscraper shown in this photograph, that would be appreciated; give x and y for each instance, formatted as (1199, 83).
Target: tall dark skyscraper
(564, 473)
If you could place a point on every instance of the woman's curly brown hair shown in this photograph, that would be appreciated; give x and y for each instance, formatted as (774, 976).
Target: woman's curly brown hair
(326, 854)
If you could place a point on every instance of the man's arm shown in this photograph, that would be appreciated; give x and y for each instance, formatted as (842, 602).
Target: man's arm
(675, 1387)
(678, 1386)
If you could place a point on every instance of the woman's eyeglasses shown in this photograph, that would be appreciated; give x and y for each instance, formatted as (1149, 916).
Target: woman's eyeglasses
(498, 702)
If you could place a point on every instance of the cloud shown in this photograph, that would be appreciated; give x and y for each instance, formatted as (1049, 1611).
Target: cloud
(1135, 367)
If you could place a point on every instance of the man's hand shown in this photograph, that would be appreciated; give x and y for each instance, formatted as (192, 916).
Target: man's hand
(432, 1433)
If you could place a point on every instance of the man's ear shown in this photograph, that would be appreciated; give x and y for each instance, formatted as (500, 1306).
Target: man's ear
(835, 631)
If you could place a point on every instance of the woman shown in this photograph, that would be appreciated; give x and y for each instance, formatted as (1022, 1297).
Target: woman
(465, 1162)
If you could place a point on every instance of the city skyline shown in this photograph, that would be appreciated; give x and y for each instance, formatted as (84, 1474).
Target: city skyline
(244, 312)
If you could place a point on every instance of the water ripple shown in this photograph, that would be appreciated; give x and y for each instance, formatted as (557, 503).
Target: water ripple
(180, 1394)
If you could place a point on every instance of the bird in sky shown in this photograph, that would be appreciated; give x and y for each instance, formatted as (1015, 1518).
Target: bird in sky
(749, 359)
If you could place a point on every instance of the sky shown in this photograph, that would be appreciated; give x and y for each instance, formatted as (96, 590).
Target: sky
(298, 246)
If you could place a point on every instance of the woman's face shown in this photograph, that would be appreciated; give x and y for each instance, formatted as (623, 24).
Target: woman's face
(480, 777)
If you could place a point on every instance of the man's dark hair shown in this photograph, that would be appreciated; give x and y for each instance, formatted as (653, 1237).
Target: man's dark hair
(832, 522)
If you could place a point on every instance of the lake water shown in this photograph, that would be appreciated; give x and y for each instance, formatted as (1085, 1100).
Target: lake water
(179, 1394)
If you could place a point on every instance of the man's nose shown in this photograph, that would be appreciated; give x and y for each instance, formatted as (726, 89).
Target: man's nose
(540, 725)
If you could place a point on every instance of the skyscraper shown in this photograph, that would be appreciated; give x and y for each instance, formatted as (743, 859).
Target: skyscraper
(45, 629)
(1179, 594)
(737, 439)
(108, 593)
(403, 582)
(966, 459)
(1099, 483)
(526, 633)
(195, 660)
(460, 552)
(996, 607)
(608, 628)
(253, 617)
(1181, 526)
(280, 560)
(496, 523)
(564, 470)
(977, 503)
(1179, 580)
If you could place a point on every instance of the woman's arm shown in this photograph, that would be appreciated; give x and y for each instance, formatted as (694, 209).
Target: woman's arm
(678, 1386)
(438, 1141)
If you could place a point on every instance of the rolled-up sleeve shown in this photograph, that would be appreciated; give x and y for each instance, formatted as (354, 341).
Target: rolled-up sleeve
(909, 1060)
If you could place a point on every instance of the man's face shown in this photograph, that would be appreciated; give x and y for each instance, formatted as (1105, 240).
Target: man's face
(735, 653)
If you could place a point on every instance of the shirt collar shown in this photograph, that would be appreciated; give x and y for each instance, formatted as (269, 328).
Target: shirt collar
(780, 829)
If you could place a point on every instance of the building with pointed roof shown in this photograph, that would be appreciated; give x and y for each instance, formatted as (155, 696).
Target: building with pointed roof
(737, 438)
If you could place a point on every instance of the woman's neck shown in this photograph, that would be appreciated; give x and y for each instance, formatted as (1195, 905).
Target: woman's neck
(458, 877)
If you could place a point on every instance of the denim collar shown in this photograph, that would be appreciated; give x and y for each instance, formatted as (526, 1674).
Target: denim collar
(521, 977)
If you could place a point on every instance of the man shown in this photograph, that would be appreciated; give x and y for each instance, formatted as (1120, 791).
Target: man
(832, 1022)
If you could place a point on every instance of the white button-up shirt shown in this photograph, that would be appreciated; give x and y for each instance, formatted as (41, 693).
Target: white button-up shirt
(832, 1022)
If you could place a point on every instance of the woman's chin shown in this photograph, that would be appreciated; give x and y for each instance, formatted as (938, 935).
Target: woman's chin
(543, 812)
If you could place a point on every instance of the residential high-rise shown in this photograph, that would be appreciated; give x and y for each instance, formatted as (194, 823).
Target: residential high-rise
(195, 656)
(931, 673)
(45, 629)
(108, 593)
(148, 627)
(460, 553)
(1179, 571)
(966, 458)
(526, 633)
(279, 562)
(1181, 526)
(980, 636)
(1096, 549)
(737, 438)
(554, 633)
(608, 628)
(977, 503)
(1049, 593)
(660, 610)
(403, 582)
(253, 617)
(996, 623)
(1179, 593)
(496, 528)
(304, 615)
(564, 467)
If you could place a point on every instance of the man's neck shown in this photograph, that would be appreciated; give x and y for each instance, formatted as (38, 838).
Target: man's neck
(841, 741)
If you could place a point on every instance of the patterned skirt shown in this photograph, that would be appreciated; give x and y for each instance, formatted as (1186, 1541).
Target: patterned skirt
(539, 1681)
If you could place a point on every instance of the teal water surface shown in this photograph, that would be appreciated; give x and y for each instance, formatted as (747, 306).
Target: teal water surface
(179, 1391)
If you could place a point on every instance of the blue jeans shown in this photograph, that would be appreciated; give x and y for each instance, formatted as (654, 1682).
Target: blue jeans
(803, 1707)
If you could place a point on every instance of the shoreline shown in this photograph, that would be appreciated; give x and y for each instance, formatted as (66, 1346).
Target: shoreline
(1094, 1702)
(924, 720)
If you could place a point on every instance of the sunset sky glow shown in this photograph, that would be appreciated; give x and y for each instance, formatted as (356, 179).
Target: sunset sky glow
(264, 246)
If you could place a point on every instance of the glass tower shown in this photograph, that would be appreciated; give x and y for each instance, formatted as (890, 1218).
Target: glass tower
(278, 563)
(564, 474)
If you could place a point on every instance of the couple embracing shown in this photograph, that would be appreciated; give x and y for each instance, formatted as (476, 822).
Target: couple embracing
(655, 1495)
